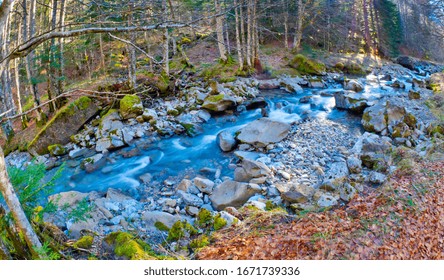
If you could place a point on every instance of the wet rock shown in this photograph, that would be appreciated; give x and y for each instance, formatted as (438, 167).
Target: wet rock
(291, 85)
(226, 141)
(204, 185)
(79, 152)
(146, 178)
(232, 193)
(414, 95)
(184, 185)
(263, 132)
(353, 85)
(349, 100)
(398, 84)
(93, 163)
(268, 84)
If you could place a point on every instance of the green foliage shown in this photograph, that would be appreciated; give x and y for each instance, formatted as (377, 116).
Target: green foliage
(219, 222)
(392, 31)
(200, 242)
(30, 185)
(46, 253)
(204, 218)
(81, 212)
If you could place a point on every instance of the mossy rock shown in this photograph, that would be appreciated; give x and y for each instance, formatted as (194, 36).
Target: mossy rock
(66, 122)
(308, 66)
(131, 106)
(57, 150)
(85, 242)
(128, 247)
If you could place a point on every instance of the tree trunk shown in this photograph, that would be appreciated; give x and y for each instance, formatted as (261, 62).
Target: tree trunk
(220, 33)
(242, 26)
(299, 22)
(285, 7)
(367, 37)
(238, 37)
(61, 61)
(249, 29)
(166, 41)
(132, 53)
(15, 207)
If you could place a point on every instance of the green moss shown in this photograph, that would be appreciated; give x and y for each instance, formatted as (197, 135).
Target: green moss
(127, 246)
(215, 98)
(130, 106)
(180, 230)
(219, 222)
(189, 128)
(305, 65)
(204, 218)
(83, 102)
(410, 120)
(57, 150)
(85, 242)
(200, 242)
(161, 226)
(269, 205)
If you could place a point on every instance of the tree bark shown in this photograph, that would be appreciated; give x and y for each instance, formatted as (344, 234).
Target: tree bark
(285, 7)
(299, 23)
(238, 36)
(166, 41)
(16, 209)
(367, 37)
(220, 33)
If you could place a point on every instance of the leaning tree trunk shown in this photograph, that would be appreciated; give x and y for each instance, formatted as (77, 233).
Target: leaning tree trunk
(16, 209)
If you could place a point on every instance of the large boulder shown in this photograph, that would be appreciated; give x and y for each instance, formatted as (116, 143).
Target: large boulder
(219, 103)
(305, 65)
(350, 100)
(291, 85)
(250, 169)
(232, 193)
(65, 123)
(353, 85)
(226, 141)
(263, 132)
(131, 106)
(387, 118)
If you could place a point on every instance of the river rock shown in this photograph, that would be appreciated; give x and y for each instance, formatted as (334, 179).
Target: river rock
(327, 200)
(232, 193)
(353, 85)
(131, 106)
(268, 84)
(350, 100)
(78, 152)
(398, 84)
(68, 199)
(204, 185)
(219, 103)
(291, 85)
(354, 165)
(294, 196)
(226, 141)
(190, 199)
(347, 192)
(151, 217)
(250, 169)
(263, 132)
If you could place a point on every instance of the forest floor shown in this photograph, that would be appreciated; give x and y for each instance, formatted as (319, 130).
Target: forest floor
(403, 219)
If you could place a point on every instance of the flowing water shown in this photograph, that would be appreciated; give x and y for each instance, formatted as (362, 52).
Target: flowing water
(178, 155)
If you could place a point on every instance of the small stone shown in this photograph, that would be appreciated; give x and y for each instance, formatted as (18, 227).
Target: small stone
(377, 178)
(327, 200)
(285, 175)
(204, 185)
(192, 210)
